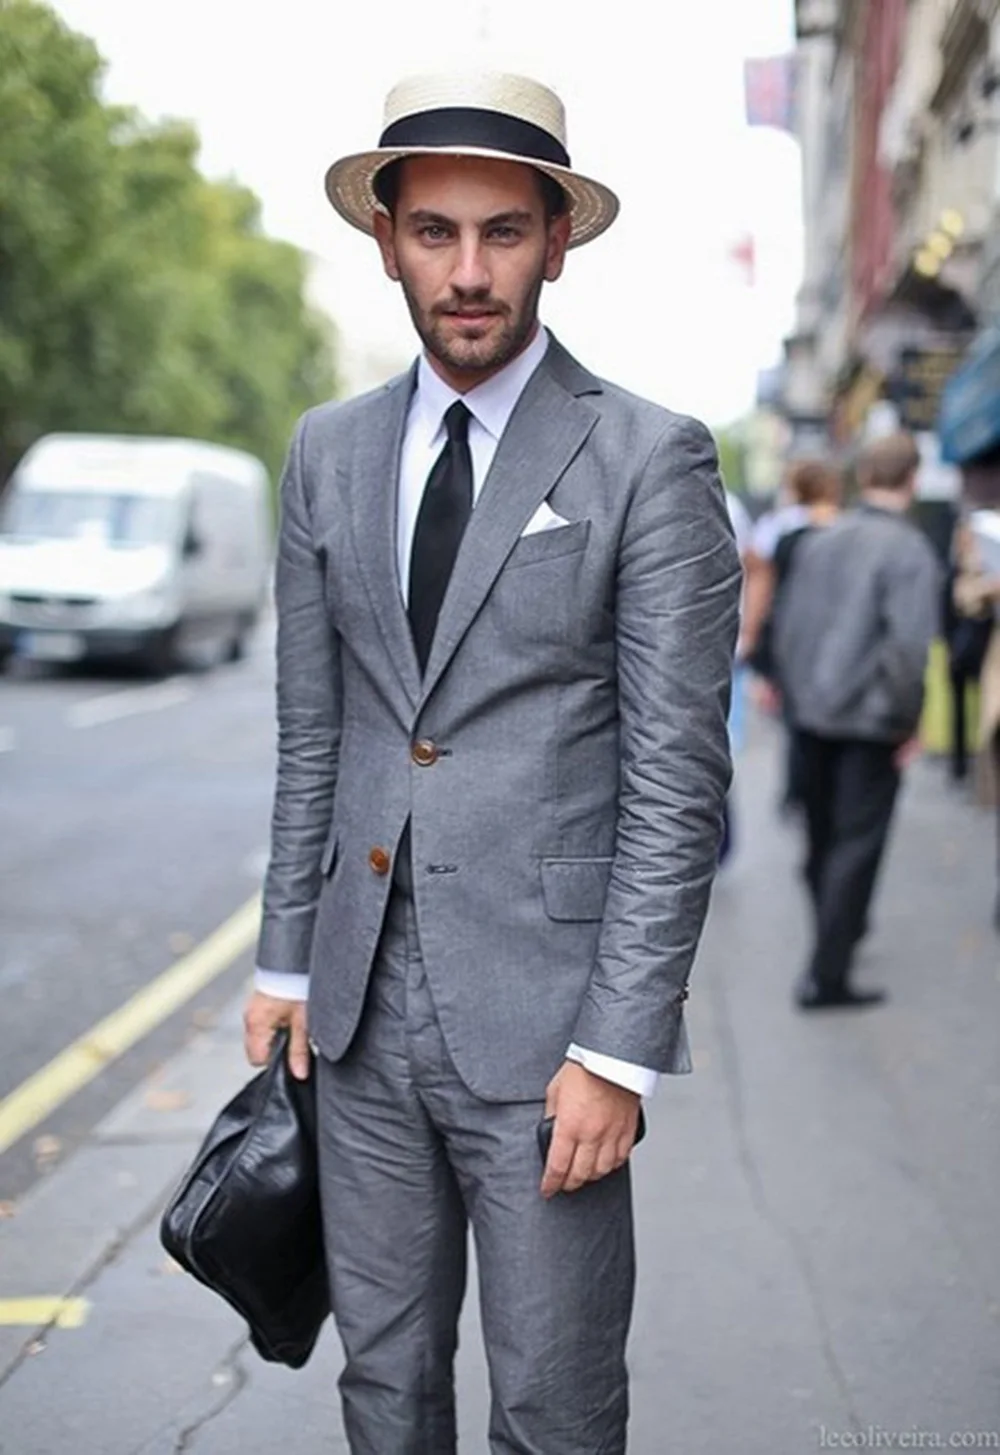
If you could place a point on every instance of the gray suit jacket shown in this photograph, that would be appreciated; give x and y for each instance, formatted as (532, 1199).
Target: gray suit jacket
(565, 806)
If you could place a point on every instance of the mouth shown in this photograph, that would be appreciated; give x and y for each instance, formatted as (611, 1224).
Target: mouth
(471, 315)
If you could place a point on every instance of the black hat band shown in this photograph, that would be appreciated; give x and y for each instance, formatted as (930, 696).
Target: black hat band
(473, 126)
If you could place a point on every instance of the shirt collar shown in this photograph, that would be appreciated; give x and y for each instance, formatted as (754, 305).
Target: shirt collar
(491, 403)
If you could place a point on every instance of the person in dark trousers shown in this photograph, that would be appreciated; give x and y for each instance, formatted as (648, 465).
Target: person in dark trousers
(859, 614)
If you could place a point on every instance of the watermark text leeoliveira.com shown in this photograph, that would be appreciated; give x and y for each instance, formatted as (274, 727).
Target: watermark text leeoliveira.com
(875, 1437)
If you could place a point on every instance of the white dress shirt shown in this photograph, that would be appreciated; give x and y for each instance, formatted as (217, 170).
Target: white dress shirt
(491, 405)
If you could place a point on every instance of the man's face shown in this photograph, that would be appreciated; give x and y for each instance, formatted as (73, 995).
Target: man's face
(470, 245)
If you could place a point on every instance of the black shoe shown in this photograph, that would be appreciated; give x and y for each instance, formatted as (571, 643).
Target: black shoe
(809, 996)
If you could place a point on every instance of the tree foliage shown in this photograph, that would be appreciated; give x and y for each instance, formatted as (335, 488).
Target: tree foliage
(732, 461)
(135, 295)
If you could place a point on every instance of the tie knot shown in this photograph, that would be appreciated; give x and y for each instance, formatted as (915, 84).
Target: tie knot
(456, 422)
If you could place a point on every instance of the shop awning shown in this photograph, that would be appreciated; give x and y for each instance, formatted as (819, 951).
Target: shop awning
(969, 422)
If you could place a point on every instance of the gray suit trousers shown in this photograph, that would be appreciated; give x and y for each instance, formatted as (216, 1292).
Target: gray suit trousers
(409, 1159)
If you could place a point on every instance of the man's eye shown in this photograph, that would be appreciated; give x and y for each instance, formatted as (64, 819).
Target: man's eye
(504, 232)
(433, 231)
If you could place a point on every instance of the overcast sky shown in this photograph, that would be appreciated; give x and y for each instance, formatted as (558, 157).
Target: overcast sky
(655, 108)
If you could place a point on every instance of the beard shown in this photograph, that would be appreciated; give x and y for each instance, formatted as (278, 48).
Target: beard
(504, 332)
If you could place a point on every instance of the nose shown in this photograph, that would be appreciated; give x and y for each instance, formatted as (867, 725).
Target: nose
(471, 274)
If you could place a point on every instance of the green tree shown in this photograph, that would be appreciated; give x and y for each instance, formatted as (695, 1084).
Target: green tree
(732, 463)
(135, 295)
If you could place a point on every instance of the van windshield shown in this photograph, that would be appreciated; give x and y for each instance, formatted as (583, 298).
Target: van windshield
(112, 519)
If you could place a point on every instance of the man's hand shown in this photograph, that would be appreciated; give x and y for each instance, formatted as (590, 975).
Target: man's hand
(906, 754)
(263, 1016)
(595, 1126)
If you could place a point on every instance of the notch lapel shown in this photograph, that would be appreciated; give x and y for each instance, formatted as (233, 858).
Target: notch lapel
(374, 493)
(547, 429)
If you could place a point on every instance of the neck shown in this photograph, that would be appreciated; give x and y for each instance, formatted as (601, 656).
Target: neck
(464, 380)
(897, 501)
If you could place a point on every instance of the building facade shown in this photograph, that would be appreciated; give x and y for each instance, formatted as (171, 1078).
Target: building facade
(899, 125)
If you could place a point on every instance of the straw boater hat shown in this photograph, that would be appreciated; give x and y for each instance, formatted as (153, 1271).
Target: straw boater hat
(480, 114)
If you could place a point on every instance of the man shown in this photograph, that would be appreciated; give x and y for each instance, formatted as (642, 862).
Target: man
(507, 603)
(858, 614)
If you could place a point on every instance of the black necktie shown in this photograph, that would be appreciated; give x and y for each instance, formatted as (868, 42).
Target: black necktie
(443, 516)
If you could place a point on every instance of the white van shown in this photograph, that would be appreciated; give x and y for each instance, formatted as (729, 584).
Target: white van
(115, 546)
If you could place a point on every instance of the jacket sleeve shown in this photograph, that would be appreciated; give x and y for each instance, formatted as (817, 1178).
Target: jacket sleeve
(309, 720)
(677, 609)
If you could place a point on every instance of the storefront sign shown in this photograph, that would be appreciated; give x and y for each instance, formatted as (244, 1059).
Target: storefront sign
(918, 383)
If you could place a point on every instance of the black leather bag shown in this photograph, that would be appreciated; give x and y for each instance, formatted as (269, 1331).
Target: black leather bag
(245, 1220)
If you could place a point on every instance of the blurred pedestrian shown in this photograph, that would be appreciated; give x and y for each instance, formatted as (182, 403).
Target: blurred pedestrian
(788, 513)
(742, 524)
(977, 597)
(816, 488)
(851, 642)
(507, 599)
(966, 636)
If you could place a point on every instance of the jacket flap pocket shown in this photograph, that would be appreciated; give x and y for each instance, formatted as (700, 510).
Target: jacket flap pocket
(326, 863)
(575, 889)
(549, 545)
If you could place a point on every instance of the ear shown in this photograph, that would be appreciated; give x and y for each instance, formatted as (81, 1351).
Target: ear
(556, 245)
(385, 237)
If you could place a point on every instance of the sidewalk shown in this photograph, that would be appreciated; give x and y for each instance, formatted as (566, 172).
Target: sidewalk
(818, 1205)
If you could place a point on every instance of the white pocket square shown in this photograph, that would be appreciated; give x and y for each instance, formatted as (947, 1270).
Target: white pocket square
(544, 518)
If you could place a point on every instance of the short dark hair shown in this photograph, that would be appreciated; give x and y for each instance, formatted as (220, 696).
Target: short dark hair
(814, 482)
(388, 180)
(888, 463)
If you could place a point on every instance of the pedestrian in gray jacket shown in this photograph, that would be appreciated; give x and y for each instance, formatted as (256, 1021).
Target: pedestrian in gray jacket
(857, 620)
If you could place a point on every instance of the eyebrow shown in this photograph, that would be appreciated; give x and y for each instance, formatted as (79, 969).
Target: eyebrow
(419, 215)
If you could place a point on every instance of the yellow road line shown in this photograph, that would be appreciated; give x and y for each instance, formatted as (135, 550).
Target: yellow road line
(65, 1313)
(38, 1096)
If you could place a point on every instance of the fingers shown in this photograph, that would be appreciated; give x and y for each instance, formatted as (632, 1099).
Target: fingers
(558, 1162)
(298, 1046)
(583, 1168)
(572, 1164)
(264, 1015)
(258, 1032)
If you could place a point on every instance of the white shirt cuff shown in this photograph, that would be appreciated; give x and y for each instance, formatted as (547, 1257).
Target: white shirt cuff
(639, 1079)
(280, 985)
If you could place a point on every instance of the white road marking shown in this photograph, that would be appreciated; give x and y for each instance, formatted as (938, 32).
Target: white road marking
(8, 740)
(114, 705)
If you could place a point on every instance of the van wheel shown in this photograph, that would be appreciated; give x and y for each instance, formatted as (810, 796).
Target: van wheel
(236, 649)
(160, 657)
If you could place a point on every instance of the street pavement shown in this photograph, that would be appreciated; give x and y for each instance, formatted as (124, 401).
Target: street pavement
(817, 1205)
(135, 819)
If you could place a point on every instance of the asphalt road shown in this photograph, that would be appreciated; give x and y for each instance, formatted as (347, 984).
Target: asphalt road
(135, 817)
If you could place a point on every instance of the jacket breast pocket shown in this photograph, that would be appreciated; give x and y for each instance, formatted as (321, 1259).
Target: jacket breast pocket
(537, 594)
(549, 545)
(575, 889)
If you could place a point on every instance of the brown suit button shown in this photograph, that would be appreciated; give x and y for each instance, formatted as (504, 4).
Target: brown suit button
(424, 753)
(379, 861)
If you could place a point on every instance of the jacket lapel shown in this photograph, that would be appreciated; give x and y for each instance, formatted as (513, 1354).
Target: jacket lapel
(546, 430)
(375, 491)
